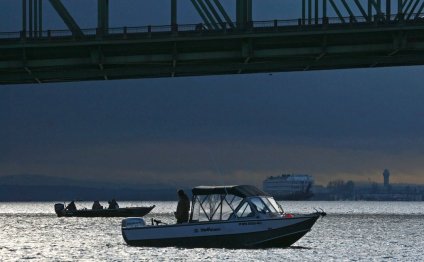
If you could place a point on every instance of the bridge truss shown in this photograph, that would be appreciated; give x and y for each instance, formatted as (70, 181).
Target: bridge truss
(329, 34)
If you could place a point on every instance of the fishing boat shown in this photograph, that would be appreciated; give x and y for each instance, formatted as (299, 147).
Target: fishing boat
(225, 217)
(117, 212)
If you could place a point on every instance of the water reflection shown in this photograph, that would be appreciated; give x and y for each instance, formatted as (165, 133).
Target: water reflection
(351, 231)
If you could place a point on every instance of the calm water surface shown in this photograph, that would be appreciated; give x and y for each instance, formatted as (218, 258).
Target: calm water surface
(352, 231)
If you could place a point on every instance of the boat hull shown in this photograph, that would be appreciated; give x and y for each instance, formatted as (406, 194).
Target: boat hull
(120, 212)
(240, 234)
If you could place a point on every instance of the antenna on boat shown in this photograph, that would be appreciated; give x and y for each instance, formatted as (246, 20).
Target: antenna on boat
(215, 163)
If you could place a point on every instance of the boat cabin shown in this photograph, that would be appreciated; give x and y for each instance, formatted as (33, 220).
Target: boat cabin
(232, 203)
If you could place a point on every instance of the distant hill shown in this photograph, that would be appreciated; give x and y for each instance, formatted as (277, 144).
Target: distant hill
(36, 180)
(30, 187)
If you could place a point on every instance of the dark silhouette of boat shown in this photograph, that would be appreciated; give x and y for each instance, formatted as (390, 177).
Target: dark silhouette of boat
(118, 212)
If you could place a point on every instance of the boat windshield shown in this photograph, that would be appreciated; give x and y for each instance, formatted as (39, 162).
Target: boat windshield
(259, 205)
(265, 205)
(272, 203)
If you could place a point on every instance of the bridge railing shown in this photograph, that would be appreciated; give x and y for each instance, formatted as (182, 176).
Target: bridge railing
(149, 31)
(10, 35)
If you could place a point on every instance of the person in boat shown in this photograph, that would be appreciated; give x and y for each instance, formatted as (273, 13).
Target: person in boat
(96, 205)
(71, 206)
(113, 204)
(183, 207)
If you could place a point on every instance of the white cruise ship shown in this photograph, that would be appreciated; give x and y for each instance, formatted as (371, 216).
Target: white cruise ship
(289, 186)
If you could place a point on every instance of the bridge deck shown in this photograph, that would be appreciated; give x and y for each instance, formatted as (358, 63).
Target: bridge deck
(191, 50)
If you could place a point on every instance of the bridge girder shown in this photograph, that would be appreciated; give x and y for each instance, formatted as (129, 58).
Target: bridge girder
(331, 47)
(312, 42)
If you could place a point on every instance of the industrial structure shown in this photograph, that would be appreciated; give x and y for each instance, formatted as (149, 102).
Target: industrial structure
(328, 34)
(373, 191)
(386, 176)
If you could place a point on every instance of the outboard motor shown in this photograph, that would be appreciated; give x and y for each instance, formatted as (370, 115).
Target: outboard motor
(133, 222)
(58, 208)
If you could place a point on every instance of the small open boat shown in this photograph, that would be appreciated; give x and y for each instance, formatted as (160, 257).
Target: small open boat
(225, 217)
(118, 212)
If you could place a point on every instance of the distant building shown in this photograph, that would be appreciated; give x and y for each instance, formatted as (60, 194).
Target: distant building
(289, 186)
(391, 192)
(386, 175)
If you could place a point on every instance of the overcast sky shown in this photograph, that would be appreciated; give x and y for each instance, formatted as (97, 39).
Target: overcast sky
(343, 124)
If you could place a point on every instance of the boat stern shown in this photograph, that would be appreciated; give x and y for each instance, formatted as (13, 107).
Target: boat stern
(58, 209)
(131, 222)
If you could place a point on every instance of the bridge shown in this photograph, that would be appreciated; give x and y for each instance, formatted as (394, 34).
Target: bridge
(328, 34)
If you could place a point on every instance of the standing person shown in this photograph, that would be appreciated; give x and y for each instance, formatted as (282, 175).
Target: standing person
(183, 207)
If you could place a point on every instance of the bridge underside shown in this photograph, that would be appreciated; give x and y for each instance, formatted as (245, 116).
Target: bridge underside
(196, 52)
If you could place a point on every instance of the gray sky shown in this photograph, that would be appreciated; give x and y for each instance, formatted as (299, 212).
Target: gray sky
(344, 124)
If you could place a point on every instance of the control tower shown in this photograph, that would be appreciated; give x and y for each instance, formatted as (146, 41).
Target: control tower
(386, 175)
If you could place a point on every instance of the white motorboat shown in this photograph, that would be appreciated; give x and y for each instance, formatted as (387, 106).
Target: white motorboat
(225, 217)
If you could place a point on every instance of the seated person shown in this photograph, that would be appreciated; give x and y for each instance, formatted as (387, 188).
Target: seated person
(113, 204)
(96, 205)
(71, 206)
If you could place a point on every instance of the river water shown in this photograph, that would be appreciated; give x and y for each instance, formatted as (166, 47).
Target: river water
(352, 231)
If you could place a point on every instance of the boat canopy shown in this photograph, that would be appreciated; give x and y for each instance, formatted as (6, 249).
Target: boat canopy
(240, 191)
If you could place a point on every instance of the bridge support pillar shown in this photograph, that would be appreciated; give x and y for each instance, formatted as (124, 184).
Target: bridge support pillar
(324, 9)
(103, 15)
(316, 12)
(243, 13)
(311, 11)
(24, 17)
(174, 20)
(388, 9)
(32, 18)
